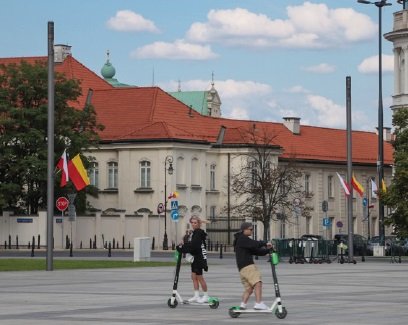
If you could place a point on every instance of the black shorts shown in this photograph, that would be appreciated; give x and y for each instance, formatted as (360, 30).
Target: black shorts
(197, 267)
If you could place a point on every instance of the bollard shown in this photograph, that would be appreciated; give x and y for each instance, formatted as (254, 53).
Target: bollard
(9, 242)
(80, 245)
(173, 245)
(123, 242)
(17, 241)
(216, 246)
(5, 244)
(117, 245)
(32, 247)
(113, 243)
(109, 250)
(38, 243)
(70, 249)
(29, 245)
(129, 245)
(153, 244)
(220, 250)
(90, 243)
(94, 246)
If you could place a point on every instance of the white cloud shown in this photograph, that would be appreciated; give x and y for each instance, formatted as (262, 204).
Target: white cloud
(370, 65)
(238, 113)
(129, 21)
(298, 89)
(307, 26)
(329, 113)
(320, 68)
(179, 50)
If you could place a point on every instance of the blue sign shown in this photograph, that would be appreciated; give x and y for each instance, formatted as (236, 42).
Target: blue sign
(174, 215)
(326, 222)
(365, 201)
(24, 220)
(174, 205)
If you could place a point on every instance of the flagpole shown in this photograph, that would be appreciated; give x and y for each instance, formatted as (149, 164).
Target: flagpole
(349, 170)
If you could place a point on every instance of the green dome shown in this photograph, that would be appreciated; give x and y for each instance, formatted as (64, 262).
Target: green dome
(108, 71)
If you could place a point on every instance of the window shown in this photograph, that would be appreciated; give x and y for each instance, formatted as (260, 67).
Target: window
(93, 173)
(308, 221)
(112, 174)
(195, 173)
(307, 185)
(254, 173)
(144, 173)
(212, 177)
(180, 171)
(212, 213)
(330, 186)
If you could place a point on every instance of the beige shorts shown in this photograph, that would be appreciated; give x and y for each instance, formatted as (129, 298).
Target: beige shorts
(250, 275)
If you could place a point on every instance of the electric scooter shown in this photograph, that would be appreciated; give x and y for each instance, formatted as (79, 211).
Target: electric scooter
(176, 298)
(276, 307)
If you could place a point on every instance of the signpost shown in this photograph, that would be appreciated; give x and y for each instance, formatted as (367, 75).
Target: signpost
(62, 204)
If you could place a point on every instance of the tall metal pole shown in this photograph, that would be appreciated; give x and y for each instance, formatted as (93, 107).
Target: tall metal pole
(50, 155)
(381, 228)
(349, 169)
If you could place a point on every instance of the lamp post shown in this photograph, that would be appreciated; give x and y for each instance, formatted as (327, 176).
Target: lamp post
(403, 3)
(380, 162)
(169, 160)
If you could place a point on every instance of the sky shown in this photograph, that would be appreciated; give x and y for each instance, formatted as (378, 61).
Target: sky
(269, 58)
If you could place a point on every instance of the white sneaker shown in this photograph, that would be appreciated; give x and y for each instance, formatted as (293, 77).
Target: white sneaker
(194, 299)
(260, 306)
(242, 306)
(203, 299)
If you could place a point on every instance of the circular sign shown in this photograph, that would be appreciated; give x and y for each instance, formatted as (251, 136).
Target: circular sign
(339, 224)
(160, 208)
(62, 203)
(365, 202)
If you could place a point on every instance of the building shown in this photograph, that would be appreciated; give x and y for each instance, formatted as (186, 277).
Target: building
(147, 129)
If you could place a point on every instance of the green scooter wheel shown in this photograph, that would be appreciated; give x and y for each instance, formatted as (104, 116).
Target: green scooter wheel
(233, 312)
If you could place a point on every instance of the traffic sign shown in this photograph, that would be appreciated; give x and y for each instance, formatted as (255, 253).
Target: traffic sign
(160, 208)
(174, 205)
(365, 201)
(174, 215)
(339, 224)
(326, 222)
(62, 203)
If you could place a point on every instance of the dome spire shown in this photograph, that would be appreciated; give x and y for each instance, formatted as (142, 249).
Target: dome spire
(108, 71)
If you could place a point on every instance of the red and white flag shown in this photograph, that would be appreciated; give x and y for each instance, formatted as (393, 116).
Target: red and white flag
(343, 183)
(63, 166)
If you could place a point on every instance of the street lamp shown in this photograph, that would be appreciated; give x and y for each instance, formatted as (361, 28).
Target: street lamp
(380, 162)
(403, 3)
(169, 160)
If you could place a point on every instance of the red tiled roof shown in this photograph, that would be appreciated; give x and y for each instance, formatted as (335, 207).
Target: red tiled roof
(149, 113)
(72, 70)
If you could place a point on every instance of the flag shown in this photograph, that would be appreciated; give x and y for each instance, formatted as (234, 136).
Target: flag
(344, 185)
(63, 166)
(77, 173)
(373, 189)
(357, 186)
(383, 186)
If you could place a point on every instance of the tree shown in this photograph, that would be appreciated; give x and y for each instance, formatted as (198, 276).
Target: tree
(265, 190)
(396, 196)
(23, 131)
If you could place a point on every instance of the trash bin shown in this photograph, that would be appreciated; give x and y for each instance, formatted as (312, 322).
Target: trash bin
(141, 249)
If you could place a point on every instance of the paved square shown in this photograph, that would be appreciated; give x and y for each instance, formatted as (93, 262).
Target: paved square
(365, 293)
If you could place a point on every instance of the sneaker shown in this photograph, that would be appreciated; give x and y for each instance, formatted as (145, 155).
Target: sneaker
(242, 306)
(203, 299)
(194, 299)
(260, 306)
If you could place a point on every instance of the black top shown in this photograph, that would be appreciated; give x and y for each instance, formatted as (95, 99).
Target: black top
(246, 247)
(197, 246)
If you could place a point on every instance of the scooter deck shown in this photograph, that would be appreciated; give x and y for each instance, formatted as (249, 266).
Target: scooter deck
(253, 311)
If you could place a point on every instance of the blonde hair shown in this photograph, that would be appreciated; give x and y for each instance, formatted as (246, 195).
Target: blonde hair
(199, 220)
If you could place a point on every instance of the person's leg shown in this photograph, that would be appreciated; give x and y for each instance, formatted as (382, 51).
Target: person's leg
(196, 288)
(258, 292)
(202, 282)
(245, 296)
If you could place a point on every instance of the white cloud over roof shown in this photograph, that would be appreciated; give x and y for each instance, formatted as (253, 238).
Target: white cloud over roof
(129, 21)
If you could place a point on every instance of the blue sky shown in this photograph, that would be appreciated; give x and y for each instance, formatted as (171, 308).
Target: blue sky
(270, 58)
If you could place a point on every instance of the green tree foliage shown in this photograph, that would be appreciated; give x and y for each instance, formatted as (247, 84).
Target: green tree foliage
(263, 189)
(396, 196)
(23, 132)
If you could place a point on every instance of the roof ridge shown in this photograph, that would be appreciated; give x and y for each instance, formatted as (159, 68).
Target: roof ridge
(85, 67)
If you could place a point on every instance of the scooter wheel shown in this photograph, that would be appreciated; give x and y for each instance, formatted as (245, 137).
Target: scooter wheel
(281, 315)
(233, 313)
(174, 305)
(214, 304)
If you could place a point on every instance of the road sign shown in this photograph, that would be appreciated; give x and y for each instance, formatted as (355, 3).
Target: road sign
(62, 203)
(174, 205)
(326, 222)
(325, 206)
(174, 215)
(160, 208)
(339, 224)
(365, 201)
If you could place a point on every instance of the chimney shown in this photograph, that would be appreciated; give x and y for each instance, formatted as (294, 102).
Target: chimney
(61, 51)
(293, 124)
(387, 136)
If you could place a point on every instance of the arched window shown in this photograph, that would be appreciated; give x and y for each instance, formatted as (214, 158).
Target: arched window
(195, 172)
(93, 173)
(112, 174)
(145, 173)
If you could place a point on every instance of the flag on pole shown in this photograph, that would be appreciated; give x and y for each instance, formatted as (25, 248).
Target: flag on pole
(383, 186)
(343, 183)
(374, 189)
(77, 173)
(63, 166)
(357, 186)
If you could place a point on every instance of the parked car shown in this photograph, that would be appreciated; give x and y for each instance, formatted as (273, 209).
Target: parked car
(359, 243)
(311, 237)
